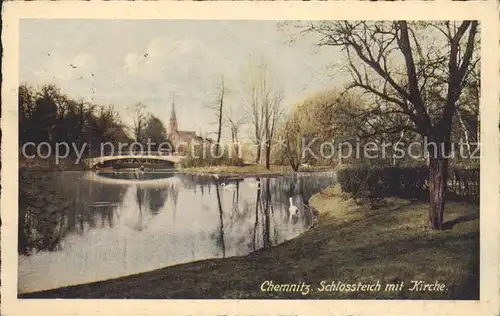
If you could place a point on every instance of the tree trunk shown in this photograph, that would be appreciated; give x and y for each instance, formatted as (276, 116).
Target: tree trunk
(438, 175)
(294, 158)
(257, 158)
(219, 129)
(268, 154)
(234, 138)
(438, 178)
(295, 166)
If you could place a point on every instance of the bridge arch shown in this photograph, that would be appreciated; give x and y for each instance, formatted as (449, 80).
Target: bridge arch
(140, 159)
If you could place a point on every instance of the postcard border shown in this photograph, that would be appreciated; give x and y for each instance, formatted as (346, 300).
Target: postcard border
(485, 11)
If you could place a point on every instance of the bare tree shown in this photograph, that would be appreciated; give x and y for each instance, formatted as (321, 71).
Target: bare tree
(322, 116)
(218, 109)
(419, 70)
(468, 109)
(264, 110)
(292, 137)
(256, 116)
(139, 121)
(272, 112)
(235, 121)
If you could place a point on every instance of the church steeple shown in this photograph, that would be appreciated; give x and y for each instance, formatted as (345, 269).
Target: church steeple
(173, 119)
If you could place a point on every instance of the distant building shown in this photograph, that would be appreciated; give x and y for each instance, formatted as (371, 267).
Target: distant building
(179, 138)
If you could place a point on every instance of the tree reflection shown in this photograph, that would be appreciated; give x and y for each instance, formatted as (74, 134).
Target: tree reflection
(220, 240)
(250, 217)
(267, 222)
(140, 199)
(50, 209)
(257, 203)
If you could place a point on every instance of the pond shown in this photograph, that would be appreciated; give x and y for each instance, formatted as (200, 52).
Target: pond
(91, 226)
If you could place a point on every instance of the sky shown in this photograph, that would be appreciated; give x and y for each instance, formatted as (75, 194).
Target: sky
(122, 62)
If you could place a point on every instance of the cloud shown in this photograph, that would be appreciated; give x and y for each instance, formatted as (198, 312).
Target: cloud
(84, 61)
(161, 46)
(135, 61)
(160, 54)
(131, 63)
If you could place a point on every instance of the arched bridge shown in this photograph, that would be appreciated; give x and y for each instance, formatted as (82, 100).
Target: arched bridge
(92, 162)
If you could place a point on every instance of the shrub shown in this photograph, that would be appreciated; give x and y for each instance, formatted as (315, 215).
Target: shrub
(198, 157)
(372, 183)
(464, 183)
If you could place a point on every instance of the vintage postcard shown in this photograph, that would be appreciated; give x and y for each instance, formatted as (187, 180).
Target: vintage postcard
(250, 158)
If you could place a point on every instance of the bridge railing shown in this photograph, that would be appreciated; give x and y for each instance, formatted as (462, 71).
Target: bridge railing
(134, 154)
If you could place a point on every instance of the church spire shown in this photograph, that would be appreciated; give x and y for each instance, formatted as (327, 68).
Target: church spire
(173, 119)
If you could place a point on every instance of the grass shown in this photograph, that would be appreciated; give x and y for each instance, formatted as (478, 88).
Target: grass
(49, 164)
(350, 244)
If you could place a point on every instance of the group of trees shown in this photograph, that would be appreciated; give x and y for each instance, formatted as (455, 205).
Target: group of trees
(409, 81)
(145, 126)
(48, 115)
(321, 117)
(264, 109)
(259, 107)
(415, 79)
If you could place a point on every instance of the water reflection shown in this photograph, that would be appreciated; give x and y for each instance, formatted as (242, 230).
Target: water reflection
(114, 224)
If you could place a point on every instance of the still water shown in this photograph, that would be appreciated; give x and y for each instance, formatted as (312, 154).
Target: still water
(115, 224)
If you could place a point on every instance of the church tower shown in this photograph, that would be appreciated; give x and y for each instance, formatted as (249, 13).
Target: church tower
(172, 127)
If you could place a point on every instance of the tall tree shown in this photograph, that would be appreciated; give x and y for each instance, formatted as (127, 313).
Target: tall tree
(272, 112)
(218, 109)
(418, 70)
(235, 119)
(139, 120)
(291, 133)
(264, 108)
(155, 130)
(48, 115)
(256, 114)
(222, 91)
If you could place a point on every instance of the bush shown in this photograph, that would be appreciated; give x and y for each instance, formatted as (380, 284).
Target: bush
(198, 157)
(372, 183)
(464, 183)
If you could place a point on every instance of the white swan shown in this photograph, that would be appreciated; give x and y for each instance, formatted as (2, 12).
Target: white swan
(139, 170)
(216, 176)
(228, 186)
(293, 210)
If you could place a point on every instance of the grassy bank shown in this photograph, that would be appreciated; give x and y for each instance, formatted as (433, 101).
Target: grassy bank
(50, 164)
(250, 170)
(350, 244)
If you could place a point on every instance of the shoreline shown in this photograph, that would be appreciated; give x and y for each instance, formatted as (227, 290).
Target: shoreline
(346, 240)
(50, 165)
(250, 170)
